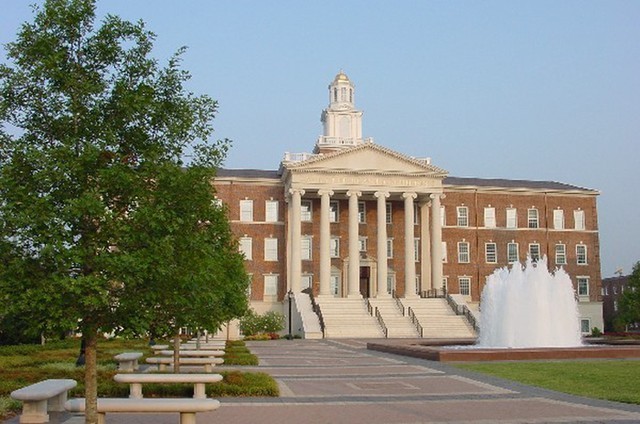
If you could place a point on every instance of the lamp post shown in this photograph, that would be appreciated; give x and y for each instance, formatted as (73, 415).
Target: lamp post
(290, 297)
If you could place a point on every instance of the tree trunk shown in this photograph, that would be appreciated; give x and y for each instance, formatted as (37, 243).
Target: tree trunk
(176, 352)
(91, 377)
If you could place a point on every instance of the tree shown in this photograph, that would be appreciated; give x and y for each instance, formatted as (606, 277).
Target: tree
(629, 302)
(104, 228)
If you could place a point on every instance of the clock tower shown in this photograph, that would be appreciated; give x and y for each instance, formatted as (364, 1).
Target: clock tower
(341, 122)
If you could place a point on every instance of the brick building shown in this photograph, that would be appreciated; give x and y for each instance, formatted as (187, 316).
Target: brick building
(323, 220)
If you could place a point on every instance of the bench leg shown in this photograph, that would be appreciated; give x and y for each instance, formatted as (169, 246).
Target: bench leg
(56, 403)
(187, 418)
(208, 368)
(135, 391)
(199, 391)
(162, 367)
(34, 412)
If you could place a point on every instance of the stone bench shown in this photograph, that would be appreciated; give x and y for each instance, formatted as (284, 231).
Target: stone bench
(203, 346)
(39, 398)
(186, 407)
(193, 352)
(128, 361)
(163, 361)
(157, 348)
(137, 380)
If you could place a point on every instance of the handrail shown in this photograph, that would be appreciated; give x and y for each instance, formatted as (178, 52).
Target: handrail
(472, 318)
(414, 320)
(369, 307)
(316, 308)
(399, 305)
(381, 322)
(458, 309)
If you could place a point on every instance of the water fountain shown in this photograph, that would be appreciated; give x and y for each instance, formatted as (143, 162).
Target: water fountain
(528, 307)
(527, 313)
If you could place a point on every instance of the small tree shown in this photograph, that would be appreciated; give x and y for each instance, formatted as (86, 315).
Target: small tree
(629, 302)
(269, 322)
(103, 228)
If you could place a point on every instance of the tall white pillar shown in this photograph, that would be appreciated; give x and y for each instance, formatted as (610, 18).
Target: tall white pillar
(409, 246)
(382, 243)
(354, 248)
(425, 247)
(296, 254)
(436, 242)
(325, 243)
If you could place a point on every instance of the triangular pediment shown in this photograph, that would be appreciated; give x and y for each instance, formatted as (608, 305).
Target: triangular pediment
(368, 158)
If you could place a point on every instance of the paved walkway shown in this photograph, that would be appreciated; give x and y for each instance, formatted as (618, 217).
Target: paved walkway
(339, 381)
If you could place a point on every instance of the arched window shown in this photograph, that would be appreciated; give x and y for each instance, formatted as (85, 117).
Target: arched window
(335, 94)
(351, 95)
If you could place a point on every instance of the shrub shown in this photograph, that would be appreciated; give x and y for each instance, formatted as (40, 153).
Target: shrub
(595, 332)
(269, 322)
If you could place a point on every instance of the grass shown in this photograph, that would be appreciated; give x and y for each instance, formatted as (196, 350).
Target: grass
(615, 380)
(27, 364)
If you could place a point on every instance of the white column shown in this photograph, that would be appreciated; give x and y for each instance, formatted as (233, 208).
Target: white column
(425, 247)
(409, 246)
(436, 242)
(325, 245)
(296, 256)
(354, 249)
(382, 243)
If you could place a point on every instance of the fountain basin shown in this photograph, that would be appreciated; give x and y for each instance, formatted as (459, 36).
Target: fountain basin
(479, 354)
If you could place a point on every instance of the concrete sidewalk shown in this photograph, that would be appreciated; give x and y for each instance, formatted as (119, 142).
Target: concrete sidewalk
(339, 381)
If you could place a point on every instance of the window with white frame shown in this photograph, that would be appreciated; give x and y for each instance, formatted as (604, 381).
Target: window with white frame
(246, 247)
(534, 251)
(335, 284)
(462, 216)
(416, 250)
(558, 219)
(334, 247)
(583, 286)
(513, 255)
(445, 284)
(444, 252)
(362, 213)
(271, 285)
(271, 249)
(585, 325)
(491, 253)
(418, 284)
(578, 218)
(465, 286)
(443, 216)
(362, 244)
(561, 254)
(490, 217)
(389, 248)
(305, 210)
(391, 282)
(581, 254)
(463, 252)
(532, 218)
(306, 281)
(333, 211)
(271, 211)
(512, 218)
(305, 246)
(246, 210)
(389, 212)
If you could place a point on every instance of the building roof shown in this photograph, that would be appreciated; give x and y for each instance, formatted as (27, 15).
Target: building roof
(512, 184)
(448, 181)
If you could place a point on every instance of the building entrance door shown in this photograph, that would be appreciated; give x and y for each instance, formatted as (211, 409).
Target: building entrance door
(365, 277)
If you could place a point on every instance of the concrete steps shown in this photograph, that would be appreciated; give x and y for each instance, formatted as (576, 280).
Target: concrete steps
(398, 325)
(348, 318)
(438, 320)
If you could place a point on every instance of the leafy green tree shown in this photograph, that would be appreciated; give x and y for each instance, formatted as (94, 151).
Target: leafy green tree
(104, 228)
(629, 302)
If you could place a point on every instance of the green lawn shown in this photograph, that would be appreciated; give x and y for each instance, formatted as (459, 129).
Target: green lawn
(616, 380)
(28, 364)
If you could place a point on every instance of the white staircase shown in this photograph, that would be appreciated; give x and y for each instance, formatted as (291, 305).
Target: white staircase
(347, 318)
(438, 320)
(398, 325)
(310, 321)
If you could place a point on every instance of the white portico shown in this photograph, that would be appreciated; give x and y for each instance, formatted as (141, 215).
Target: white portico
(351, 170)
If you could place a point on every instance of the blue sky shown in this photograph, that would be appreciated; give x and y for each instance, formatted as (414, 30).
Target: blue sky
(541, 90)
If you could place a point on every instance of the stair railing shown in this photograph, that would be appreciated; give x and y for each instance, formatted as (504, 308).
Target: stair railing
(399, 305)
(381, 322)
(415, 321)
(369, 307)
(316, 308)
